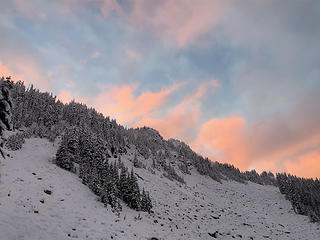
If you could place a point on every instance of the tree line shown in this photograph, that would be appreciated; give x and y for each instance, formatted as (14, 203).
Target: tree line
(304, 194)
(41, 114)
(111, 181)
(48, 117)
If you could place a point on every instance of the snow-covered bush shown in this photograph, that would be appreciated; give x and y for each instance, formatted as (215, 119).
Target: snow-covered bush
(136, 162)
(171, 173)
(28, 133)
(68, 152)
(184, 168)
(15, 141)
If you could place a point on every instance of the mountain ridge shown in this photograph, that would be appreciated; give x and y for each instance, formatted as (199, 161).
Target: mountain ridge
(39, 114)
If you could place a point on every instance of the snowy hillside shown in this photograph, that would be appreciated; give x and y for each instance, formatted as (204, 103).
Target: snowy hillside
(39, 200)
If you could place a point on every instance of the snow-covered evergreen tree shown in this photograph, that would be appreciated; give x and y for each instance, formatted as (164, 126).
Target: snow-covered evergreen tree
(304, 194)
(146, 204)
(134, 192)
(5, 108)
(109, 192)
(68, 151)
(124, 185)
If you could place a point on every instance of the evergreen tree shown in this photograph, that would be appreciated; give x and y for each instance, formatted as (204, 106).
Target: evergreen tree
(149, 203)
(143, 201)
(124, 185)
(109, 188)
(120, 163)
(115, 178)
(154, 163)
(134, 192)
(304, 194)
(5, 108)
(146, 204)
(135, 160)
(68, 153)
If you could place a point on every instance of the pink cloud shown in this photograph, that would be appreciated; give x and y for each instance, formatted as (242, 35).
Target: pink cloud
(68, 96)
(65, 96)
(147, 109)
(5, 71)
(231, 140)
(133, 55)
(28, 10)
(70, 84)
(187, 20)
(120, 102)
(306, 165)
(286, 142)
(180, 21)
(224, 139)
(93, 55)
(25, 69)
(110, 5)
(177, 124)
(183, 119)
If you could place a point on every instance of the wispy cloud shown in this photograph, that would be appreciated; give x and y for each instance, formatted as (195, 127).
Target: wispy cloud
(149, 62)
(180, 22)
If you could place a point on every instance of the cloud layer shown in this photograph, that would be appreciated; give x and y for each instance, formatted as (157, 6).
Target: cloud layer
(238, 81)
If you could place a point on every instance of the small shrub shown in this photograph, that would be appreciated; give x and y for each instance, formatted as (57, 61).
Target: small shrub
(171, 173)
(15, 142)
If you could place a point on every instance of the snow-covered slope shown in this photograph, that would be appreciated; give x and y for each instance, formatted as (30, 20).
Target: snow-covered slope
(199, 209)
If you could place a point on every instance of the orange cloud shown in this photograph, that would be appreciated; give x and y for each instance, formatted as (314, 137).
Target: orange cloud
(68, 96)
(182, 121)
(287, 142)
(177, 124)
(65, 96)
(25, 69)
(120, 102)
(5, 72)
(306, 165)
(224, 139)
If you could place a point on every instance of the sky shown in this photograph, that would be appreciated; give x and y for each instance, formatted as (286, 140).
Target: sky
(239, 81)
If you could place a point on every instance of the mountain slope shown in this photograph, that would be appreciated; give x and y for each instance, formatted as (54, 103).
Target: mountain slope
(200, 209)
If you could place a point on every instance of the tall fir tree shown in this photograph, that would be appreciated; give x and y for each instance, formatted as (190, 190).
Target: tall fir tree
(5, 108)
(124, 185)
(134, 201)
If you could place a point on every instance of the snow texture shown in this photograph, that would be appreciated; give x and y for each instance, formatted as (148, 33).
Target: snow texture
(39, 200)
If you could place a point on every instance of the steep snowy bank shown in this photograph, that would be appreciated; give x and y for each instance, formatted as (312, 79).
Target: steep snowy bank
(201, 209)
